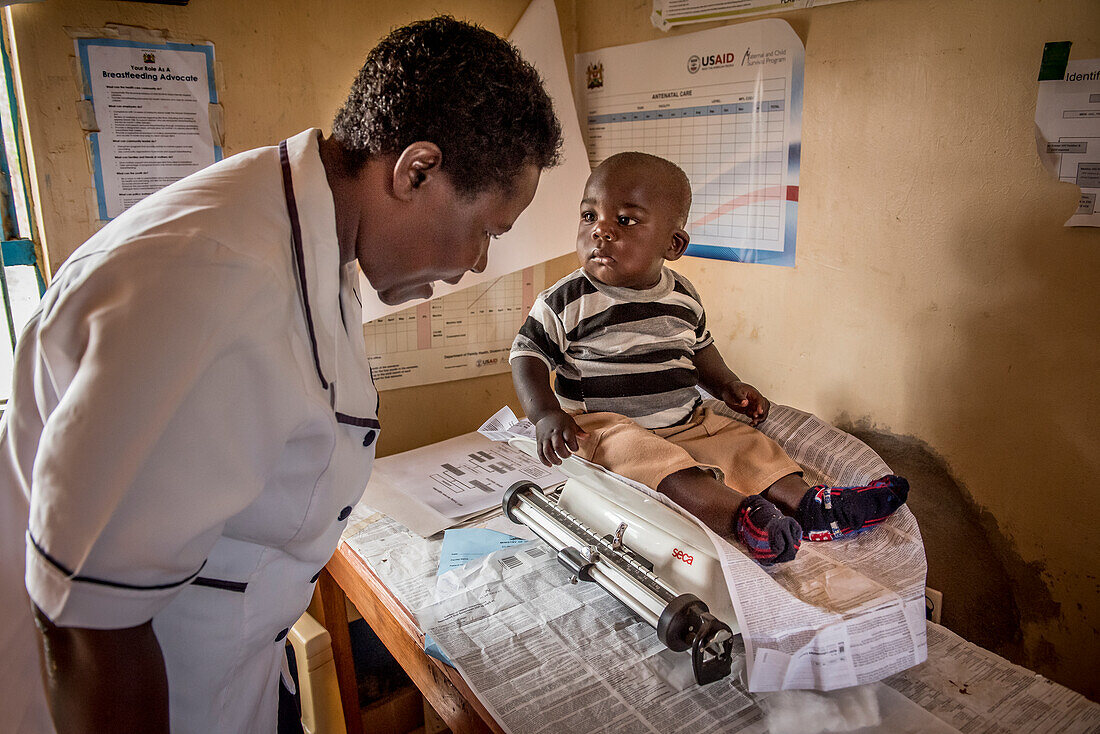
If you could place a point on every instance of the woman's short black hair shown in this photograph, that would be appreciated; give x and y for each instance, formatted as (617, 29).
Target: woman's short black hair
(461, 87)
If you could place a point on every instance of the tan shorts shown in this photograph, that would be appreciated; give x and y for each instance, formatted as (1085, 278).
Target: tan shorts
(744, 458)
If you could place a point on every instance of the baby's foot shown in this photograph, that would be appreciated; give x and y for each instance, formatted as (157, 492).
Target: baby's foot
(770, 536)
(828, 513)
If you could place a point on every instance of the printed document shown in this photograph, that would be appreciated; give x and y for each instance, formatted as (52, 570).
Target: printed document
(726, 106)
(151, 104)
(454, 337)
(1067, 134)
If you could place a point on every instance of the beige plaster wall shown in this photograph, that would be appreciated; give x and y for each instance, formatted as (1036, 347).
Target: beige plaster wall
(936, 292)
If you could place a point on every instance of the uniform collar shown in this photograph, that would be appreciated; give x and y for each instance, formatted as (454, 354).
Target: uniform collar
(321, 251)
(331, 300)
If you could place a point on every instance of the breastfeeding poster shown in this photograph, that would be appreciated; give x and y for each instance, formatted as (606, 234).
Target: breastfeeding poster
(151, 103)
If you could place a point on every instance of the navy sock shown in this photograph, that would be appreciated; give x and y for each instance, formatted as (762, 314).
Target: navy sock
(827, 513)
(769, 535)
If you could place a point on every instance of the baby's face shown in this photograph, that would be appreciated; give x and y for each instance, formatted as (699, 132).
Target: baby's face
(627, 223)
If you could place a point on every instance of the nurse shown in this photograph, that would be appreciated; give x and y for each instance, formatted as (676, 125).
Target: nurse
(192, 414)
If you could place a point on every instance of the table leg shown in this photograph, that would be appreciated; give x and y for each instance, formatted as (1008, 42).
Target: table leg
(334, 609)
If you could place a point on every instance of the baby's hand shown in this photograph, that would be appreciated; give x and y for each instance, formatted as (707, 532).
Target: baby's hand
(747, 400)
(557, 436)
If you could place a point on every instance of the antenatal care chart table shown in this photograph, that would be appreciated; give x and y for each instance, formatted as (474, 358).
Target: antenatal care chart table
(725, 105)
(463, 334)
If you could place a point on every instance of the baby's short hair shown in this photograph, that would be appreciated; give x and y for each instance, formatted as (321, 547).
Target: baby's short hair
(676, 174)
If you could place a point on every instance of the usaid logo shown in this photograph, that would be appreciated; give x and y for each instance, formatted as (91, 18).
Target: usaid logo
(696, 62)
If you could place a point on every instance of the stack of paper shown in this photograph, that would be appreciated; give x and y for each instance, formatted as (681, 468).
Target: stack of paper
(450, 483)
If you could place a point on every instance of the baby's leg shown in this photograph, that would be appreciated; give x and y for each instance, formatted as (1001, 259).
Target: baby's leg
(753, 463)
(769, 535)
(827, 513)
(637, 453)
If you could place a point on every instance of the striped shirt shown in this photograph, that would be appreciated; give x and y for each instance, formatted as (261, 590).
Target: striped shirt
(619, 350)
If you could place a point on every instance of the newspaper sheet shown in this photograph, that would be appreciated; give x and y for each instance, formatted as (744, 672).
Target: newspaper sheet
(974, 690)
(842, 613)
(545, 655)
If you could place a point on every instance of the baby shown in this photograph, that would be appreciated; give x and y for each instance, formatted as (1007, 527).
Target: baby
(627, 340)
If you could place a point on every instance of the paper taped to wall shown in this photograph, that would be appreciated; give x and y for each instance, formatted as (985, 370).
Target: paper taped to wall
(725, 105)
(1067, 126)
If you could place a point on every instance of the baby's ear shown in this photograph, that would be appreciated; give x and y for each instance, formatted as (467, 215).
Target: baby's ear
(679, 244)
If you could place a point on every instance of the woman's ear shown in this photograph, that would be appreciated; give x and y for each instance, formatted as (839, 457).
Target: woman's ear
(417, 164)
(679, 244)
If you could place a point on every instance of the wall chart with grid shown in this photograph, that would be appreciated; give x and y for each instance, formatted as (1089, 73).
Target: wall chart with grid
(464, 334)
(725, 105)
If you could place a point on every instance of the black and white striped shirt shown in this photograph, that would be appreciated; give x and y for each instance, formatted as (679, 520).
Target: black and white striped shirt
(619, 350)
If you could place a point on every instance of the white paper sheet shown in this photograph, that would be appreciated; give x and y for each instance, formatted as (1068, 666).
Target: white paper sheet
(442, 484)
(152, 107)
(547, 228)
(1067, 134)
(454, 337)
(726, 106)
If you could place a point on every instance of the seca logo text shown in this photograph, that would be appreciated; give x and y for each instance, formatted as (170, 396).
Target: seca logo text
(680, 555)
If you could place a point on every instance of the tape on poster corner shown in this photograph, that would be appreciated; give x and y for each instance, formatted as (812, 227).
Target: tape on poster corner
(1055, 60)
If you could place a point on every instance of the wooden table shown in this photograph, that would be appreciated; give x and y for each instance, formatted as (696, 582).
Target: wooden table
(347, 576)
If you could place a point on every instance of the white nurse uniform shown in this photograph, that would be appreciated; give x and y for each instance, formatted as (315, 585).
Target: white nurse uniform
(192, 419)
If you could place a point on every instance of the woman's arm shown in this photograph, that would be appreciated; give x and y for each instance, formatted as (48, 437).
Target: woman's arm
(103, 680)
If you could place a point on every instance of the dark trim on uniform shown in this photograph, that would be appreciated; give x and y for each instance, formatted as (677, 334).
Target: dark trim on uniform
(351, 420)
(106, 582)
(299, 255)
(221, 584)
